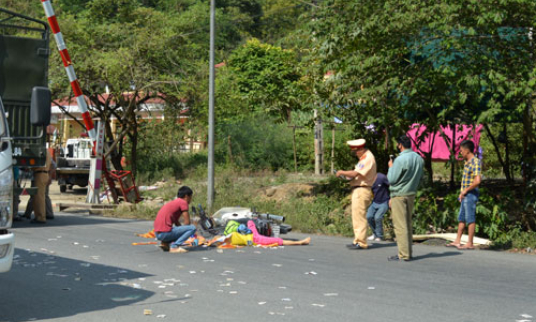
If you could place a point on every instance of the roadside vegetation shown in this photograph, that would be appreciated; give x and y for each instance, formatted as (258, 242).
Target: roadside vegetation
(366, 69)
(318, 204)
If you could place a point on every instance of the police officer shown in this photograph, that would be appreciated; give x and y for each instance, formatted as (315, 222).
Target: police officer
(361, 179)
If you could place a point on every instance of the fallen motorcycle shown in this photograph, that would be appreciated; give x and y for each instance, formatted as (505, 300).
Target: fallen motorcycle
(215, 225)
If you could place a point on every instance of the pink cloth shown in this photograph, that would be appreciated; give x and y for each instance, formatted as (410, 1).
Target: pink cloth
(423, 142)
(260, 239)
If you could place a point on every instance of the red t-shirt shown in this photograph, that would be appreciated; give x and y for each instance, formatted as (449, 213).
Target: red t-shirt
(169, 214)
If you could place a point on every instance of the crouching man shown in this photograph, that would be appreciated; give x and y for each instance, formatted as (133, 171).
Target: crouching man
(167, 227)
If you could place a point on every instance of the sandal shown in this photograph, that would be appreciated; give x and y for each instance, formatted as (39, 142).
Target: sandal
(453, 245)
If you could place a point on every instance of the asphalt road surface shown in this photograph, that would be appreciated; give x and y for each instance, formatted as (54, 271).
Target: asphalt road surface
(84, 268)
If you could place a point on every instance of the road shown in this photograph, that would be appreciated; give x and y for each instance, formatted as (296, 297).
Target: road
(84, 268)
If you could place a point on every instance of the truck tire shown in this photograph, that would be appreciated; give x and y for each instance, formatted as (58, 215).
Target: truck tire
(63, 188)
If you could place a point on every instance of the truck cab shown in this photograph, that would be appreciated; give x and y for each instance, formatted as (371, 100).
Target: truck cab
(73, 163)
(24, 111)
(7, 238)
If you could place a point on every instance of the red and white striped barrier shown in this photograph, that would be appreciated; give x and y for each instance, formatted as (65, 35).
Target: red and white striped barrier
(67, 63)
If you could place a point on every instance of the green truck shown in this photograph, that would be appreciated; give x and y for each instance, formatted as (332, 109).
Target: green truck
(24, 111)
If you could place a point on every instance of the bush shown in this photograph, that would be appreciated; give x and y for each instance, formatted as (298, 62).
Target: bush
(430, 214)
(169, 166)
(255, 143)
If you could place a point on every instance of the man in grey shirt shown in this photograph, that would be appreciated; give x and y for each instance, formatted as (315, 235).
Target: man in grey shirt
(404, 176)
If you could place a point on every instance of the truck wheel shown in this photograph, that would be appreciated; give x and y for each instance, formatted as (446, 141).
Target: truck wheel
(63, 188)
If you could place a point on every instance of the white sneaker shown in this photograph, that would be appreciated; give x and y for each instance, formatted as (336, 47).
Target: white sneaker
(371, 237)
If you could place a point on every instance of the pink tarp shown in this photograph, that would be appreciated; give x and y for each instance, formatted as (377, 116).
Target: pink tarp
(422, 143)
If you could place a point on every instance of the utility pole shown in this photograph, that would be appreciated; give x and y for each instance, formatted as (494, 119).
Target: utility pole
(210, 184)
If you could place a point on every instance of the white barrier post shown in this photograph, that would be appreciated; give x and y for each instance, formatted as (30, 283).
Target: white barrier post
(95, 172)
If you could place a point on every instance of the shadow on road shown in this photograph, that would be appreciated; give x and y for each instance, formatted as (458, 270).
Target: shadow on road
(382, 245)
(43, 286)
(435, 255)
(72, 219)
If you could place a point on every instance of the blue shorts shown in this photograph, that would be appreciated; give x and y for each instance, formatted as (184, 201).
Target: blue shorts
(468, 208)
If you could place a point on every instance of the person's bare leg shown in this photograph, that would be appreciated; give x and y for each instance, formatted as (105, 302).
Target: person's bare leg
(305, 241)
(457, 242)
(471, 233)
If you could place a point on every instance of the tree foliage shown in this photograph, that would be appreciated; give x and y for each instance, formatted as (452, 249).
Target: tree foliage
(429, 62)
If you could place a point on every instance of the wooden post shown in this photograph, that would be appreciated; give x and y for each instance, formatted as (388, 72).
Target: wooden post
(319, 144)
(294, 146)
(230, 150)
(453, 158)
(332, 148)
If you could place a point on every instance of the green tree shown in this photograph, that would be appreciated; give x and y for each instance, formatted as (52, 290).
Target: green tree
(266, 79)
(434, 63)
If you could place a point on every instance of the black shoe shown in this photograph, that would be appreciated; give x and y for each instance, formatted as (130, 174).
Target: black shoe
(354, 246)
(396, 259)
(33, 221)
(50, 217)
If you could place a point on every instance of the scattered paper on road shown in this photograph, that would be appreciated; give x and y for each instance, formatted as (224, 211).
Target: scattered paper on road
(147, 312)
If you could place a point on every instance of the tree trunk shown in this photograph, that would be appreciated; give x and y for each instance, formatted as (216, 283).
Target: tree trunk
(133, 150)
(429, 169)
(115, 156)
(506, 169)
(498, 152)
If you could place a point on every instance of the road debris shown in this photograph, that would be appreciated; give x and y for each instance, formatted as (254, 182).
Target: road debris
(147, 312)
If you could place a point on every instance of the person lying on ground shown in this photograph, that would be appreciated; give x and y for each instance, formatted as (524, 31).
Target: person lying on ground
(255, 238)
(167, 227)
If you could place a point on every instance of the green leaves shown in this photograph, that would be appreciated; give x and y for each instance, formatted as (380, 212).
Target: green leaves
(266, 78)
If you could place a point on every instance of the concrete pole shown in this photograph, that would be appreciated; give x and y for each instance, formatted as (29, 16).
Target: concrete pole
(210, 184)
(319, 144)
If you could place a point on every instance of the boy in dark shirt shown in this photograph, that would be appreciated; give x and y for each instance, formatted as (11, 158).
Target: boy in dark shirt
(379, 206)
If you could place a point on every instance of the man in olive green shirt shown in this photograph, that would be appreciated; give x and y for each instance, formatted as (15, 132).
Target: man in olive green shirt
(404, 176)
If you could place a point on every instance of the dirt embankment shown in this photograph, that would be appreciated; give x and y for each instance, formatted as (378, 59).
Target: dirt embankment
(288, 191)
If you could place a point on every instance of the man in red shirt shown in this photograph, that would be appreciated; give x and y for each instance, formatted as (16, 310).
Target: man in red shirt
(173, 237)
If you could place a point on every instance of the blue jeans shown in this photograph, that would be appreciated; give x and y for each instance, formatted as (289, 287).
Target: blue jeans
(468, 208)
(177, 236)
(375, 217)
